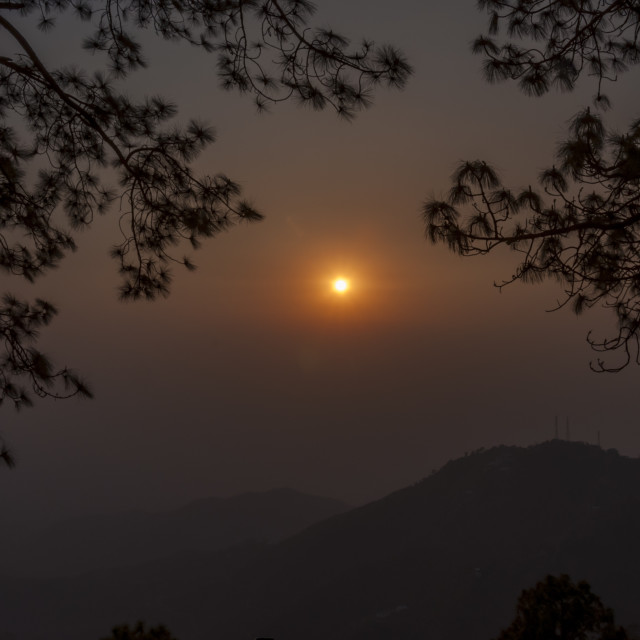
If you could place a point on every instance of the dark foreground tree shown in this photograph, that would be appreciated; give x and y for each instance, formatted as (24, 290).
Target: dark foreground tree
(138, 632)
(582, 226)
(63, 130)
(558, 608)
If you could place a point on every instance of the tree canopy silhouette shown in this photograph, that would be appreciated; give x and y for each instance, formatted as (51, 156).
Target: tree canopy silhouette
(582, 226)
(139, 632)
(61, 127)
(559, 608)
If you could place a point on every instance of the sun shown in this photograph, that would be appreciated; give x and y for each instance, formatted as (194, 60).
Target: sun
(340, 285)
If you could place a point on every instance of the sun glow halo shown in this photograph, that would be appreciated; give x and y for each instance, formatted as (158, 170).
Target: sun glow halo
(340, 285)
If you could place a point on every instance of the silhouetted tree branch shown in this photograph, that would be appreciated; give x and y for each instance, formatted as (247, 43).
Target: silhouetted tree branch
(581, 226)
(19, 325)
(558, 40)
(6, 455)
(66, 127)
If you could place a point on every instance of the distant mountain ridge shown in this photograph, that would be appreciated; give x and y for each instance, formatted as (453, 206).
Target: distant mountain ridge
(207, 525)
(444, 559)
(447, 557)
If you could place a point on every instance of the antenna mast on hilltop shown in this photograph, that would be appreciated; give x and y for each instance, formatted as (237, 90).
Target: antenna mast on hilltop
(568, 432)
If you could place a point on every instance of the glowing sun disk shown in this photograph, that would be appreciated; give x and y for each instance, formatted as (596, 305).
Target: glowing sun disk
(340, 285)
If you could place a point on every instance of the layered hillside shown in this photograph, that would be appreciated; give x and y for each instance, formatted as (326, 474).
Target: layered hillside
(444, 559)
(136, 537)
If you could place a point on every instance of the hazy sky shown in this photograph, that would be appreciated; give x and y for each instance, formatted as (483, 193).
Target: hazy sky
(252, 374)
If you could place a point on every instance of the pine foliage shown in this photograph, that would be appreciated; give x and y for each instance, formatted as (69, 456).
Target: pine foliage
(581, 224)
(60, 128)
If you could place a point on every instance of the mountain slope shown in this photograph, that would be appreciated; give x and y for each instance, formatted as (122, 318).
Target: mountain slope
(444, 559)
(104, 542)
